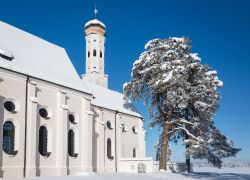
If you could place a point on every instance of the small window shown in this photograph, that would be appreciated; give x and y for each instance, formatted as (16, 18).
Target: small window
(134, 153)
(43, 113)
(9, 138)
(100, 54)
(6, 55)
(43, 141)
(109, 149)
(134, 129)
(124, 128)
(71, 144)
(109, 125)
(94, 53)
(10, 106)
(88, 54)
(72, 118)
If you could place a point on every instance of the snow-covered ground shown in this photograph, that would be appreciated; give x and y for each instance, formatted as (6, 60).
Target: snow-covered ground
(200, 173)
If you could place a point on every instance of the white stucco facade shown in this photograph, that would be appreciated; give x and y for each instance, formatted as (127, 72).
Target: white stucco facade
(52, 122)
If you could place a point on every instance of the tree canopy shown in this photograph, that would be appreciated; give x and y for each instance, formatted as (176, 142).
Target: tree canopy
(183, 96)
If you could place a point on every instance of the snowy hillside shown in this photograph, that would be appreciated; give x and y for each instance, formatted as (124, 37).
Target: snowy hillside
(200, 173)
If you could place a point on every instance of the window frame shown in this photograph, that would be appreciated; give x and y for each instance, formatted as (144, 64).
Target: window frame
(73, 141)
(15, 138)
(135, 130)
(110, 149)
(47, 140)
(48, 111)
(134, 152)
(94, 52)
(15, 102)
(109, 125)
(100, 54)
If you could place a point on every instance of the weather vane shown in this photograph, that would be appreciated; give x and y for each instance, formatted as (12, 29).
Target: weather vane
(95, 12)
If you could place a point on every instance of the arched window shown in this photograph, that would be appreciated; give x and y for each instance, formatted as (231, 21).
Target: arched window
(100, 54)
(88, 54)
(109, 149)
(94, 53)
(9, 138)
(71, 144)
(134, 153)
(43, 141)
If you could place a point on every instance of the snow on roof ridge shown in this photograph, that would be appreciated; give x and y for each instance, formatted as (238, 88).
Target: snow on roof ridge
(30, 34)
(95, 21)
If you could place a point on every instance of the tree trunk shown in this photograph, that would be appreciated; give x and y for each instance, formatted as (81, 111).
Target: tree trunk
(187, 166)
(164, 148)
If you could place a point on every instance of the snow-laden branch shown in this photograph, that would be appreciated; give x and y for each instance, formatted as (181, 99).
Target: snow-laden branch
(184, 129)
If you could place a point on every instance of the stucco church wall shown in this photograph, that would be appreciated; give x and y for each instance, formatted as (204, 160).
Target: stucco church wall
(12, 87)
(101, 162)
(130, 139)
(59, 102)
(123, 140)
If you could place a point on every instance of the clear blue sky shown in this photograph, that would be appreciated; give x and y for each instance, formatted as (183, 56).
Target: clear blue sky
(219, 31)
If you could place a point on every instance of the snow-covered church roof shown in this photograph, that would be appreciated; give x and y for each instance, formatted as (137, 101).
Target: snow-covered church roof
(112, 100)
(37, 58)
(95, 22)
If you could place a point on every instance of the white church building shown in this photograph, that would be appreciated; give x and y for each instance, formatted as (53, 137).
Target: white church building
(54, 123)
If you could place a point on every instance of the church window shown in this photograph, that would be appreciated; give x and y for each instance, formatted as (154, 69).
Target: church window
(71, 118)
(134, 153)
(43, 141)
(88, 54)
(9, 138)
(109, 125)
(71, 144)
(124, 128)
(94, 53)
(9, 106)
(134, 129)
(6, 55)
(43, 112)
(109, 149)
(100, 54)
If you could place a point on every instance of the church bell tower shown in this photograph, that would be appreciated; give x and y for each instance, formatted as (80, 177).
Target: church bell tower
(95, 32)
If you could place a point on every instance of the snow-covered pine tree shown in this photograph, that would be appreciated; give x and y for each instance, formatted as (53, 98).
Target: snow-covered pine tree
(181, 93)
(200, 110)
